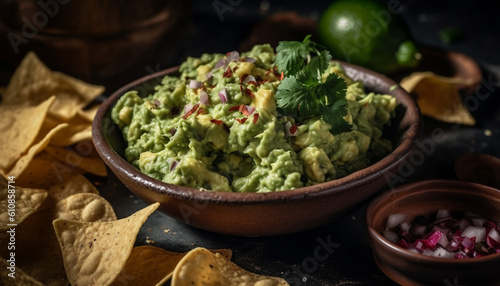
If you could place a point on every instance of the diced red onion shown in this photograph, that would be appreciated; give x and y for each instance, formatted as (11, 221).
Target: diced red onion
(221, 63)
(250, 60)
(428, 252)
(395, 220)
(478, 232)
(460, 255)
(233, 56)
(443, 241)
(443, 253)
(195, 84)
(420, 230)
(243, 110)
(290, 129)
(432, 239)
(470, 237)
(405, 226)
(203, 97)
(468, 243)
(478, 221)
(249, 78)
(443, 213)
(494, 235)
(223, 95)
(390, 236)
(188, 107)
(452, 246)
(461, 224)
(403, 233)
(250, 109)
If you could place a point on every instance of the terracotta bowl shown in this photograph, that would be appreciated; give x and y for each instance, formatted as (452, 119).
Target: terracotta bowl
(262, 214)
(424, 198)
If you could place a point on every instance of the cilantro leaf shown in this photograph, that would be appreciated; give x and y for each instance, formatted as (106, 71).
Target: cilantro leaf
(291, 55)
(334, 110)
(303, 93)
(318, 65)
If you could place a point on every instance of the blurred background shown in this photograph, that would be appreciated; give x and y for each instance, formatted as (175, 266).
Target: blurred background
(115, 41)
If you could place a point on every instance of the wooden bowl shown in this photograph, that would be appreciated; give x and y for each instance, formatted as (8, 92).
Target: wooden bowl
(423, 198)
(262, 214)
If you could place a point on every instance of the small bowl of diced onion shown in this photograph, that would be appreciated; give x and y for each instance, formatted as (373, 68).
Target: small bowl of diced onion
(437, 232)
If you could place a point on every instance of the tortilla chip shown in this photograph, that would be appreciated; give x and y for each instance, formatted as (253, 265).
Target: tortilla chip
(25, 159)
(33, 83)
(74, 184)
(88, 114)
(20, 277)
(150, 265)
(438, 97)
(71, 135)
(44, 171)
(95, 253)
(87, 160)
(19, 128)
(27, 201)
(202, 267)
(86, 207)
(77, 130)
(46, 263)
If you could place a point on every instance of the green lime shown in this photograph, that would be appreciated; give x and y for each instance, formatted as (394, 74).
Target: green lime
(367, 33)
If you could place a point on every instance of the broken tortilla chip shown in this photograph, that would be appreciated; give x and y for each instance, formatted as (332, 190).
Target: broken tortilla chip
(438, 97)
(24, 160)
(202, 267)
(95, 253)
(150, 265)
(24, 202)
(20, 127)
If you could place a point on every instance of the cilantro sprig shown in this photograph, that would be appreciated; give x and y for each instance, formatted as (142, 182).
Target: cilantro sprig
(303, 93)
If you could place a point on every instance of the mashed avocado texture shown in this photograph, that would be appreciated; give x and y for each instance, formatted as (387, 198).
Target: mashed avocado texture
(216, 126)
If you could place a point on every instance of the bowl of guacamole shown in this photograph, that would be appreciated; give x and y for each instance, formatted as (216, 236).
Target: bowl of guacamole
(263, 142)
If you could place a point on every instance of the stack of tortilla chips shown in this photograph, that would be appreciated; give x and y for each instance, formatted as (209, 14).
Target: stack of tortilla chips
(62, 231)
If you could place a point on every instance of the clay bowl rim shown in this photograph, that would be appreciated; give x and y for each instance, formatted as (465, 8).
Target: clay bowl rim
(409, 189)
(356, 179)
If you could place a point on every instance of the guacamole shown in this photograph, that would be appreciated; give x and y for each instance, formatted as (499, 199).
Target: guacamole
(216, 126)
